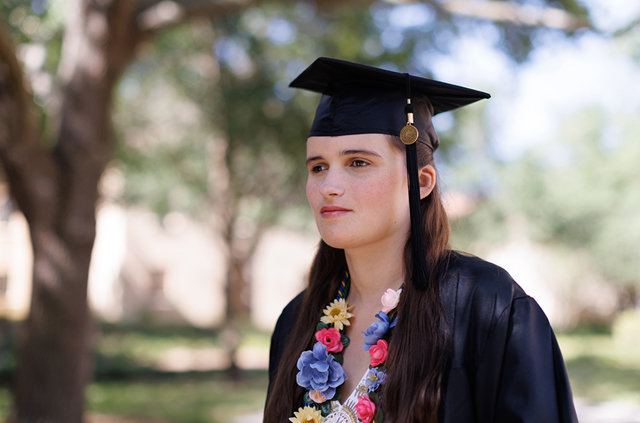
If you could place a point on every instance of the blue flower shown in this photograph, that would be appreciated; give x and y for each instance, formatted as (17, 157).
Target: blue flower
(319, 371)
(377, 330)
(375, 378)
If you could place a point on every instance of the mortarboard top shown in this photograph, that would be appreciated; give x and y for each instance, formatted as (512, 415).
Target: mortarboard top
(363, 99)
(326, 75)
(360, 99)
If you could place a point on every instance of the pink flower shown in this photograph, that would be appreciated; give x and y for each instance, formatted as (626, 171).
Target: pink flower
(331, 339)
(365, 409)
(390, 299)
(378, 352)
(317, 396)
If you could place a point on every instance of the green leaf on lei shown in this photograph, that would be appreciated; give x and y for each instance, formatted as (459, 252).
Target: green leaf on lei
(321, 325)
(325, 408)
(344, 340)
(308, 400)
(373, 396)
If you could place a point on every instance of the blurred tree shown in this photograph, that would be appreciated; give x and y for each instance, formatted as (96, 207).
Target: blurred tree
(586, 196)
(56, 97)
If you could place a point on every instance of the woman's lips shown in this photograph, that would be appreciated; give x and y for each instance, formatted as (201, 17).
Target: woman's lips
(333, 211)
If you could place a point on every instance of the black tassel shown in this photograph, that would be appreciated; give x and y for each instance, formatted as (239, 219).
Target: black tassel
(418, 256)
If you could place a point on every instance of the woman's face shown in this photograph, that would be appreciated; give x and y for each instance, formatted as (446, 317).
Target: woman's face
(357, 189)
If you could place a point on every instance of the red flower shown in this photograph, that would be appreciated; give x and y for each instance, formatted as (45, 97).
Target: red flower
(331, 339)
(378, 352)
(365, 409)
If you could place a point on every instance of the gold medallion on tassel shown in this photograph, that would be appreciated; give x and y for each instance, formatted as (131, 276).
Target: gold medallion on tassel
(409, 134)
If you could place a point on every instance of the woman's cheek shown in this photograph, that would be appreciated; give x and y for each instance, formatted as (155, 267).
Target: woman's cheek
(312, 193)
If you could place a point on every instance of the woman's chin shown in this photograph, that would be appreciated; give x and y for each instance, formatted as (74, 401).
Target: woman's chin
(340, 242)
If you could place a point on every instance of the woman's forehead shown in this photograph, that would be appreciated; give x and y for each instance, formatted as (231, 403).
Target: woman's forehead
(375, 142)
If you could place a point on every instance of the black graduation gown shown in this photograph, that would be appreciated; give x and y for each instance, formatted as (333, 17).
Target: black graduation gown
(506, 364)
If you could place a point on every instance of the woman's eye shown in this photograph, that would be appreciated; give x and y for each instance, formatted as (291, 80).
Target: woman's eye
(359, 163)
(317, 168)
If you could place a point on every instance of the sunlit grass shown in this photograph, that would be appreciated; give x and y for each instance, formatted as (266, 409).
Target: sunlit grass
(601, 367)
(196, 399)
(205, 398)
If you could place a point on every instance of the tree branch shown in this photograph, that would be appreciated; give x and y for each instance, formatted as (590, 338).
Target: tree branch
(501, 11)
(154, 15)
(30, 170)
(99, 42)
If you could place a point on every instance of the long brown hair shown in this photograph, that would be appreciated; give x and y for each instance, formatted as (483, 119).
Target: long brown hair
(420, 342)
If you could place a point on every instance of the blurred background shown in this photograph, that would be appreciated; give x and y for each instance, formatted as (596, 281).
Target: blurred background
(152, 214)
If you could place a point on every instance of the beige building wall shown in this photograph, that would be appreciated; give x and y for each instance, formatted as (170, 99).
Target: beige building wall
(15, 266)
(173, 270)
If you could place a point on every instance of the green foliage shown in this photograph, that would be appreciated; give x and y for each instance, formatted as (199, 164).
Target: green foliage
(36, 27)
(33, 20)
(222, 132)
(242, 123)
(209, 398)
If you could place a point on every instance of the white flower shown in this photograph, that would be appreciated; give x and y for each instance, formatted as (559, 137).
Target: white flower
(307, 415)
(337, 313)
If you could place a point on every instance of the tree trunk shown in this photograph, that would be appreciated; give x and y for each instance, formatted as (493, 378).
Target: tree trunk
(57, 191)
(53, 366)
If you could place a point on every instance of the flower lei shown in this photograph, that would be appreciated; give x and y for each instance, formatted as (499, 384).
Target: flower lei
(320, 369)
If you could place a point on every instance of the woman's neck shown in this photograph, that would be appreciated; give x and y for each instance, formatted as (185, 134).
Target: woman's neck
(374, 270)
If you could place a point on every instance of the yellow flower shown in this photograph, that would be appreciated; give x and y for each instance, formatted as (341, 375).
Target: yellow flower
(307, 415)
(337, 313)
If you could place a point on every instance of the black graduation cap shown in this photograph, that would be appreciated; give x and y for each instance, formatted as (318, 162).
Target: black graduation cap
(360, 99)
(363, 99)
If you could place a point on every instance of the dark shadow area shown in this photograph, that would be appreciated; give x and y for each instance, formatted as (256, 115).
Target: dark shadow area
(8, 343)
(159, 330)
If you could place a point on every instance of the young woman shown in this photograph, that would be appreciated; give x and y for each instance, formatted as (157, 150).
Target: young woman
(394, 326)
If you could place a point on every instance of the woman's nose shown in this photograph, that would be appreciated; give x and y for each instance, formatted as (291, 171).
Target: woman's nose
(332, 185)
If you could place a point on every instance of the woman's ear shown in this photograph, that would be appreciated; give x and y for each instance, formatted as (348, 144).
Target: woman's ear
(427, 179)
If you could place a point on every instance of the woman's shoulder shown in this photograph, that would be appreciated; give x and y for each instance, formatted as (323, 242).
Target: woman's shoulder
(472, 276)
(479, 299)
(290, 312)
(280, 336)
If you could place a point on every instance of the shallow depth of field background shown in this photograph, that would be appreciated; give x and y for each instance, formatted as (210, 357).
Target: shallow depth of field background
(202, 231)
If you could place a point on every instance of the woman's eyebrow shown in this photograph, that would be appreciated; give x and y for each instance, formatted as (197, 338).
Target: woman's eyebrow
(347, 153)
(359, 151)
(313, 159)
